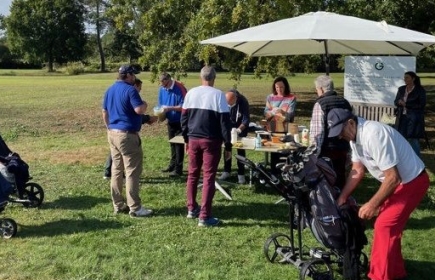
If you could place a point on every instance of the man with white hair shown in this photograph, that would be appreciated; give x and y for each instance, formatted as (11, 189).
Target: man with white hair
(333, 148)
(205, 125)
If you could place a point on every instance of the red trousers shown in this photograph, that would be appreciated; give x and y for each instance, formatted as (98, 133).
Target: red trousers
(386, 257)
(203, 153)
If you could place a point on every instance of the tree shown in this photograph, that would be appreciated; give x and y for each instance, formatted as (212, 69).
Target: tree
(47, 30)
(96, 16)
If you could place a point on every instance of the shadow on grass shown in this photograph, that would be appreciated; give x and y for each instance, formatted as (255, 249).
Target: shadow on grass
(75, 202)
(67, 226)
(418, 270)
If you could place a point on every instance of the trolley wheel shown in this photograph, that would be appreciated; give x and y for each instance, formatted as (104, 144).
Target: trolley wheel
(276, 246)
(34, 193)
(316, 269)
(8, 228)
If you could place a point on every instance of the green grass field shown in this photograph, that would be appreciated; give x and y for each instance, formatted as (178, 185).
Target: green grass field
(54, 122)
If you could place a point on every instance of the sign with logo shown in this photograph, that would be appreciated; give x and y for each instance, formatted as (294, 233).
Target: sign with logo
(375, 79)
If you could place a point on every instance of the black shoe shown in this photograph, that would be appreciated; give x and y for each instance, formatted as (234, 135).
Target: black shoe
(169, 169)
(175, 174)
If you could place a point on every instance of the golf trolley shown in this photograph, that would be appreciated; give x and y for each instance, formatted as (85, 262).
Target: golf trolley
(314, 263)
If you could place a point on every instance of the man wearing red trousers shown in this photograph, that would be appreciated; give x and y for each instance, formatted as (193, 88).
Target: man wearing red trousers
(404, 182)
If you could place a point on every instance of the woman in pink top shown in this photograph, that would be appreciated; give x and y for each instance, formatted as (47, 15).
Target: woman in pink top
(280, 106)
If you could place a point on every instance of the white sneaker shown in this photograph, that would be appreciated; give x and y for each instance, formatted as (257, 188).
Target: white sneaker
(142, 212)
(242, 179)
(224, 176)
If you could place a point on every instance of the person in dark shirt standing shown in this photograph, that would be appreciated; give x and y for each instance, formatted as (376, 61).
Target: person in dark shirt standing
(205, 125)
(122, 114)
(171, 98)
(411, 102)
(239, 115)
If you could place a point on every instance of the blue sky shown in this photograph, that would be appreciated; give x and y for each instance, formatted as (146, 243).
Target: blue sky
(4, 7)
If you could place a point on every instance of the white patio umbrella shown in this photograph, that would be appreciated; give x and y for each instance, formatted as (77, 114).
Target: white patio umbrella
(324, 33)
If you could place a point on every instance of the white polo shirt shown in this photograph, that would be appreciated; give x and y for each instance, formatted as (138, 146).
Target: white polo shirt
(379, 147)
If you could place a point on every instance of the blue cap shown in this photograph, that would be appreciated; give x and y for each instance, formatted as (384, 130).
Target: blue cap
(336, 119)
(127, 69)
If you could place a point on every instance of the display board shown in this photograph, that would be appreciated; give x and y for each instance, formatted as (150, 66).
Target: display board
(375, 79)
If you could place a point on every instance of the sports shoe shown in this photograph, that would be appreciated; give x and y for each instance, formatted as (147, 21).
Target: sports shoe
(168, 169)
(142, 212)
(194, 213)
(242, 179)
(174, 174)
(224, 176)
(122, 210)
(209, 222)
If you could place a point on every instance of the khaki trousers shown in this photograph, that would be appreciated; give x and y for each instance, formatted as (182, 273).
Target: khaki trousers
(127, 157)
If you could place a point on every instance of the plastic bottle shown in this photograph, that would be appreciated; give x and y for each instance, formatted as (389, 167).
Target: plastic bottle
(233, 135)
(305, 137)
(258, 141)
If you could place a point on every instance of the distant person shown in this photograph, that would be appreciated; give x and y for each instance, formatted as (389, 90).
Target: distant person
(145, 119)
(404, 182)
(122, 114)
(239, 115)
(335, 149)
(411, 102)
(171, 98)
(279, 111)
(206, 125)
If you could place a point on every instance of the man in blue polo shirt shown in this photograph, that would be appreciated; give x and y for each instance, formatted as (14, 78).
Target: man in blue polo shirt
(171, 98)
(122, 114)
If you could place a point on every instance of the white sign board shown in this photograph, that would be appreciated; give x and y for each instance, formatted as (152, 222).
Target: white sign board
(375, 79)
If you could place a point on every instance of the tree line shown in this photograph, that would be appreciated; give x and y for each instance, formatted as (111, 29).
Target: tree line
(165, 34)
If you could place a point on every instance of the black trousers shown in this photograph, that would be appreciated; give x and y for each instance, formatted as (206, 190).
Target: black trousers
(240, 166)
(177, 150)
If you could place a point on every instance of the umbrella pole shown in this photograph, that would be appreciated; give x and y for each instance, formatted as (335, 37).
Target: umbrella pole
(326, 57)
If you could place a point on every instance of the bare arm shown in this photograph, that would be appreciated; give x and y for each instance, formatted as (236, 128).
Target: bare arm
(106, 118)
(355, 176)
(141, 110)
(172, 108)
(388, 186)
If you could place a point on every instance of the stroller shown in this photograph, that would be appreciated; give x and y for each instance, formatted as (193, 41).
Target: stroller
(306, 184)
(16, 172)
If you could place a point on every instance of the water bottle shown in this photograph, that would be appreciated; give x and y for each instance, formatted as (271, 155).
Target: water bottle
(258, 141)
(233, 135)
(305, 137)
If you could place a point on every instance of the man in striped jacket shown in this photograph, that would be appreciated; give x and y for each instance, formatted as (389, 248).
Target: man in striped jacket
(205, 124)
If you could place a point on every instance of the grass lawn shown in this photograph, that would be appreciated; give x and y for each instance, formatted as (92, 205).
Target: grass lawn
(54, 122)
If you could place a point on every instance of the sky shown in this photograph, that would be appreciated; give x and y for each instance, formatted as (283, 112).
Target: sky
(4, 7)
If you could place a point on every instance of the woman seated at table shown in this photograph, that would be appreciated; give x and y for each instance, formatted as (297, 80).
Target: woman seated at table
(280, 110)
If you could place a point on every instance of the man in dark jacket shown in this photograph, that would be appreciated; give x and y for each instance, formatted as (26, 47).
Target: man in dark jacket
(239, 115)
(333, 148)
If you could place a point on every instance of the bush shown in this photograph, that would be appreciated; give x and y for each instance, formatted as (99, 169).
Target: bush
(74, 68)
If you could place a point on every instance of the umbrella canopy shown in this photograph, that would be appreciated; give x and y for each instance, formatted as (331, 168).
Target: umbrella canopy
(324, 33)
